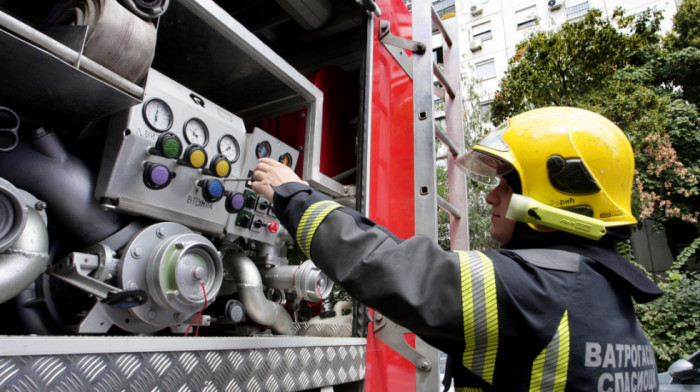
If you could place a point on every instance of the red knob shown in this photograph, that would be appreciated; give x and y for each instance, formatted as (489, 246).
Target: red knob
(272, 226)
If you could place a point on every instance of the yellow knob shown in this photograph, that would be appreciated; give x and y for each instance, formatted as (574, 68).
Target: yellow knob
(198, 158)
(222, 168)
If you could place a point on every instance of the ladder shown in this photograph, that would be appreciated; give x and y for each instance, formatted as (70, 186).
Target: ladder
(421, 68)
(426, 129)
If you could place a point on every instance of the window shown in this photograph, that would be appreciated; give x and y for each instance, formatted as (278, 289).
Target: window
(443, 7)
(576, 11)
(485, 107)
(482, 32)
(526, 17)
(486, 70)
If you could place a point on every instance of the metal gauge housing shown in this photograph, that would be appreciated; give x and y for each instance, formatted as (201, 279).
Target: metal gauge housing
(158, 115)
(196, 132)
(228, 146)
(286, 159)
(263, 149)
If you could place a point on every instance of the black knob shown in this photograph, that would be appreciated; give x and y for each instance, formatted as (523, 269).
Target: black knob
(126, 299)
(244, 221)
(250, 201)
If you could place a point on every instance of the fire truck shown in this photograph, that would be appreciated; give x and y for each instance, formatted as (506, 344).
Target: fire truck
(134, 254)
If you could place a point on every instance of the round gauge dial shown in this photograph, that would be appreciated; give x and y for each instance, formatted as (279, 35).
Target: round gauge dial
(196, 132)
(158, 115)
(286, 159)
(263, 149)
(228, 147)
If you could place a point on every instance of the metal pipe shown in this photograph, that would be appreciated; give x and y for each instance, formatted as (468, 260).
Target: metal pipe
(251, 294)
(308, 282)
(24, 259)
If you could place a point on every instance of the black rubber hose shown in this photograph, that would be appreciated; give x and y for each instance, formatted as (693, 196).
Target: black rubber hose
(45, 169)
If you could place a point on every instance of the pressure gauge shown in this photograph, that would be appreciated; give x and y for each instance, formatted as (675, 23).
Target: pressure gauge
(263, 149)
(286, 159)
(196, 132)
(158, 115)
(228, 147)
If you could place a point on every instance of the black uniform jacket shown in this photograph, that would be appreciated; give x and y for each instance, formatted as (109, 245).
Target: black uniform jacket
(555, 319)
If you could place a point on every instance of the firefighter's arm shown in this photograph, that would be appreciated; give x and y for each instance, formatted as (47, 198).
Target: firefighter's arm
(414, 282)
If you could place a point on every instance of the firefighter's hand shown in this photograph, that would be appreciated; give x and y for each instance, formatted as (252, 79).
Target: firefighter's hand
(269, 173)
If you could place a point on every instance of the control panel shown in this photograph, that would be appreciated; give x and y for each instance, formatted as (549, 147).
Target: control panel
(169, 158)
(252, 215)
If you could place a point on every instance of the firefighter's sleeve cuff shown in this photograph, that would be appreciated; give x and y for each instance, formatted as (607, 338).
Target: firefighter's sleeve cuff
(291, 200)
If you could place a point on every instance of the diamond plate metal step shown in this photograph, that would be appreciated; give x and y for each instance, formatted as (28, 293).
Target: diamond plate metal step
(190, 364)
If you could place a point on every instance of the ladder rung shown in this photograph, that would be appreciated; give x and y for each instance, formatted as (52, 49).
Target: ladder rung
(445, 205)
(439, 91)
(447, 141)
(441, 77)
(438, 22)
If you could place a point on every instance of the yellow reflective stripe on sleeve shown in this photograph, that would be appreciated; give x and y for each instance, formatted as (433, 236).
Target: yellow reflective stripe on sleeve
(313, 216)
(551, 366)
(468, 389)
(479, 313)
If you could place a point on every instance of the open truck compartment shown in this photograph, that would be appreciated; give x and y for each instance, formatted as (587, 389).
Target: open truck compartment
(128, 221)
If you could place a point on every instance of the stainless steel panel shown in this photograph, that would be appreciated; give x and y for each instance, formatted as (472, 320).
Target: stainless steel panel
(127, 149)
(323, 330)
(253, 369)
(261, 211)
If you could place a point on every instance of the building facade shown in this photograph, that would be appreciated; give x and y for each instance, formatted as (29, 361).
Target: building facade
(491, 29)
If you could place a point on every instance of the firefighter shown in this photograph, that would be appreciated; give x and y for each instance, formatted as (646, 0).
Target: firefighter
(552, 309)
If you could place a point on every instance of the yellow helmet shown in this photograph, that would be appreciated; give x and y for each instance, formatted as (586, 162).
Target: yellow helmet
(566, 158)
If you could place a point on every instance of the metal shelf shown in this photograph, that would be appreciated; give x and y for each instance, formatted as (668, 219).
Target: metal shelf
(53, 82)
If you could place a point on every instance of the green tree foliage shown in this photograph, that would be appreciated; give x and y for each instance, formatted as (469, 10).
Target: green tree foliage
(686, 30)
(672, 321)
(624, 70)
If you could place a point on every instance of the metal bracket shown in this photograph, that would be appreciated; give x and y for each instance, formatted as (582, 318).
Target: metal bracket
(75, 268)
(396, 45)
(392, 335)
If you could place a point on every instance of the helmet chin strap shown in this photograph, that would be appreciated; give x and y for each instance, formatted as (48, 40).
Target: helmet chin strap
(526, 210)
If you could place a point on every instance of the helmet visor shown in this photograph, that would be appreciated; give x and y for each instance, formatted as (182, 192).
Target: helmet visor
(494, 140)
(484, 168)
